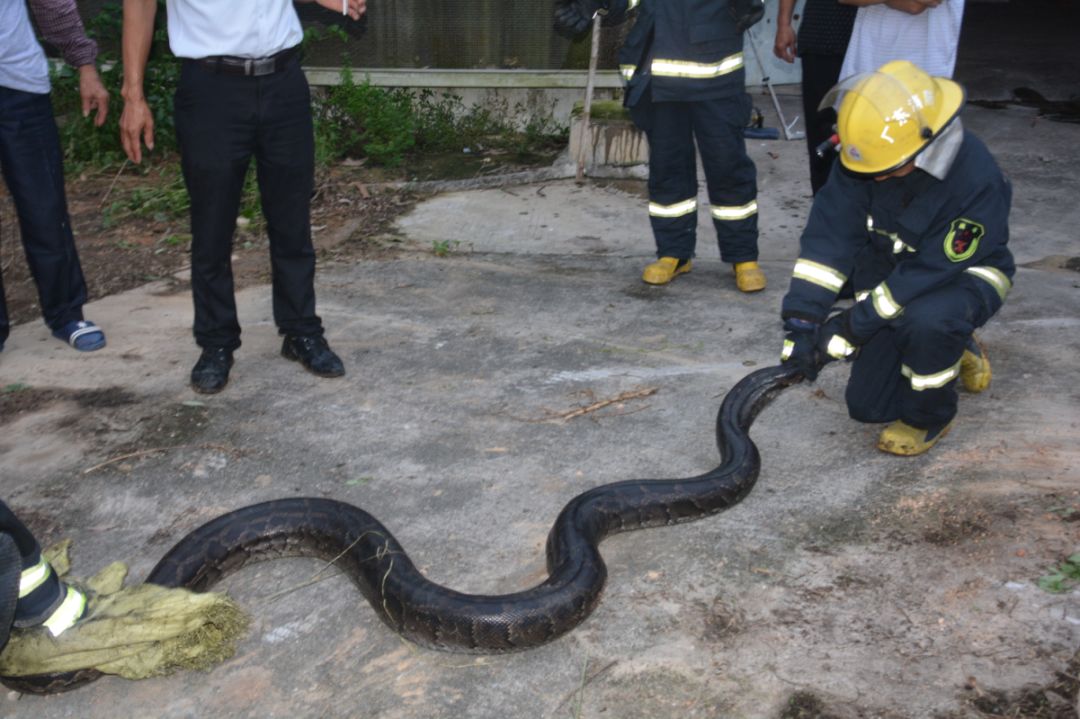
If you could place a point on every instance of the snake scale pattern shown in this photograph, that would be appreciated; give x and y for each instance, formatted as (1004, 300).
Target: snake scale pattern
(434, 616)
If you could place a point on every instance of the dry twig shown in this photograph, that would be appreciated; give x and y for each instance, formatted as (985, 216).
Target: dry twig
(600, 404)
(155, 450)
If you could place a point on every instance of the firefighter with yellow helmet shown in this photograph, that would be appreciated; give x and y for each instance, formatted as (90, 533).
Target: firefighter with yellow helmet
(913, 223)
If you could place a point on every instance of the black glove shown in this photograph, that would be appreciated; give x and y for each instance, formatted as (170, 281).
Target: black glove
(575, 16)
(746, 12)
(801, 347)
(837, 340)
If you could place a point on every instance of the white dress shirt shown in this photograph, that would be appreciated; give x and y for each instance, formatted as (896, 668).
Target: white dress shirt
(244, 28)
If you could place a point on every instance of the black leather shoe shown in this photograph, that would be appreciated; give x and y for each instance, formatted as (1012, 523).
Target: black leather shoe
(314, 354)
(211, 372)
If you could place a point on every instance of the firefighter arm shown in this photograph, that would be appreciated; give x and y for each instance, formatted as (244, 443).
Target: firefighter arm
(834, 234)
(952, 245)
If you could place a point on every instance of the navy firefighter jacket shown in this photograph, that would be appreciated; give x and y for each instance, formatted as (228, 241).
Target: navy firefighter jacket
(900, 238)
(686, 50)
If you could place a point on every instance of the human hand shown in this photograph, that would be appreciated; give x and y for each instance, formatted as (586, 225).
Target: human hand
(136, 127)
(784, 45)
(352, 8)
(746, 13)
(93, 93)
(801, 347)
(912, 7)
(836, 339)
(575, 16)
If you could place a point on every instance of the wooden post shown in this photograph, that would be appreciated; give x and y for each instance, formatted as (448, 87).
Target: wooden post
(594, 53)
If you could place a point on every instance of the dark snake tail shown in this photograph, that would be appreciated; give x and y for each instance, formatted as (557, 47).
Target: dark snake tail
(434, 616)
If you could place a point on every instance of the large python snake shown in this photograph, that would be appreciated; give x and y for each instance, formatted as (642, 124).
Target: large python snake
(434, 616)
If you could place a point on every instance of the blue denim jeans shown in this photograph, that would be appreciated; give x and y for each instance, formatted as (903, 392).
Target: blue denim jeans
(33, 169)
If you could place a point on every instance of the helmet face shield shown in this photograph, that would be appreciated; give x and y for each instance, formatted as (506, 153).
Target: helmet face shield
(886, 117)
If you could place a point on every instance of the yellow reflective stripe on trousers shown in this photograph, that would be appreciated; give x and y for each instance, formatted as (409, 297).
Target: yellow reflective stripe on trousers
(884, 304)
(919, 382)
(685, 68)
(789, 347)
(737, 212)
(67, 613)
(819, 274)
(627, 71)
(995, 277)
(33, 577)
(677, 210)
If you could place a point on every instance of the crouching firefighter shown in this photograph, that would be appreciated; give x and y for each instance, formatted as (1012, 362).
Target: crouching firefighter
(683, 65)
(914, 223)
(30, 592)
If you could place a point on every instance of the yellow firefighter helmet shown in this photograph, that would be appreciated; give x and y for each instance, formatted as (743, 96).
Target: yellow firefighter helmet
(886, 117)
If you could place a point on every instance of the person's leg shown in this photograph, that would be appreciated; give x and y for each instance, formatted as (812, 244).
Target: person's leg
(32, 162)
(819, 74)
(42, 597)
(286, 165)
(873, 389)
(732, 184)
(285, 157)
(672, 181)
(730, 174)
(932, 334)
(216, 132)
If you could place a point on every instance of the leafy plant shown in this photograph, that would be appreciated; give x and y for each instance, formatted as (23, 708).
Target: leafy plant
(369, 121)
(1063, 577)
(443, 248)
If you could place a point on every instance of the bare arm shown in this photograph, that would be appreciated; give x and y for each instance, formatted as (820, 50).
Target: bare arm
(61, 26)
(136, 122)
(784, 46)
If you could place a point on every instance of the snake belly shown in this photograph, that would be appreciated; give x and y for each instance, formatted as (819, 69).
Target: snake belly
(432, 615)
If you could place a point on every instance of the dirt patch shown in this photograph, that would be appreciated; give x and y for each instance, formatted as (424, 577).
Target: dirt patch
(132, 228)
(17, 399)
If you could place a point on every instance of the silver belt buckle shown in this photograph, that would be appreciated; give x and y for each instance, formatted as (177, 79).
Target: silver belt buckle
(262, 66)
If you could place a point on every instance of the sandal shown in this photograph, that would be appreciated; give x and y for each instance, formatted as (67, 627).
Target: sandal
(82, 335)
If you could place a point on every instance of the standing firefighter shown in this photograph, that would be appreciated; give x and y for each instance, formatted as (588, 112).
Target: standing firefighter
(683, 64)
(915, 222)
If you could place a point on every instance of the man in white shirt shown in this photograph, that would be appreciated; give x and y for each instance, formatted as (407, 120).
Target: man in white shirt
(925, 32)
(241, 93)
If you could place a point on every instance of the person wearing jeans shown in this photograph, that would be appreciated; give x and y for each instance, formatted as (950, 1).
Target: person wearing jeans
(32, 161)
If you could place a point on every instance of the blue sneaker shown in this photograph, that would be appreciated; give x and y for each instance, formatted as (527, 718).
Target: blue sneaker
(83, 335)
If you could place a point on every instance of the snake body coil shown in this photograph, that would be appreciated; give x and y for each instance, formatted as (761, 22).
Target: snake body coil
(434, 616)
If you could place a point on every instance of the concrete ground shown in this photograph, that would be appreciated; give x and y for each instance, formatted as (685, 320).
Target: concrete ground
(854, 582)
(860, 579)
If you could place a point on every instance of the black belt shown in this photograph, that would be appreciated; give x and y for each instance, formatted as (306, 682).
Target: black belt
(251, 66)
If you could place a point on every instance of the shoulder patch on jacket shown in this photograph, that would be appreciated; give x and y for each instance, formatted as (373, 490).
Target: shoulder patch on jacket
(963, 239)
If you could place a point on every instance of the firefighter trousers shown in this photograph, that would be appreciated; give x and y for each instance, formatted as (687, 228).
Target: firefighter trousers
(717, 127)
(909, 369)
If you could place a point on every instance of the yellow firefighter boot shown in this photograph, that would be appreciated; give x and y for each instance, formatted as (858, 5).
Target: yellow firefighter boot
(902, 439)
(749, 277)
(664, 270)
(974, 367)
